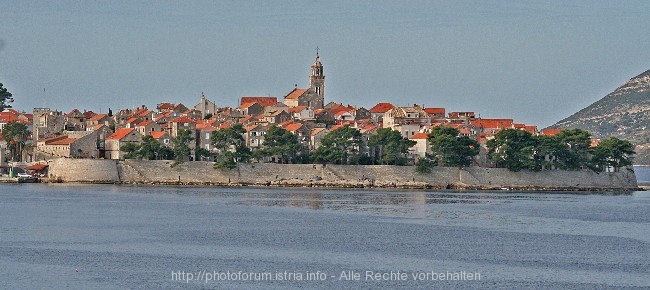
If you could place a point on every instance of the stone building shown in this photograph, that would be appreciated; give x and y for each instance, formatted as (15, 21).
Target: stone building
(71, 144)
(47, 123)
(205, 106)
(122, 136)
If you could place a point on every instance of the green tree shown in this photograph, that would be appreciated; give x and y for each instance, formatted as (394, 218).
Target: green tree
(339, 145)
(130, 150)
(202, 153)
(424, 165)
(389, 147)
(152, 149)
(574, 148)
(5, 98)
(612, 152)
(231, 145)
(449, 149)
(181, 148)
(15, 134)
(513, 149)
(280, 142)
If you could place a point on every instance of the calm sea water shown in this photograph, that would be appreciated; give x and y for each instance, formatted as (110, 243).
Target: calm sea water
(642, 174)
(115, 237)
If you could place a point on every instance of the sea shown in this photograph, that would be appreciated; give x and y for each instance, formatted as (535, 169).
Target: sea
(62, 236)
(642, 174)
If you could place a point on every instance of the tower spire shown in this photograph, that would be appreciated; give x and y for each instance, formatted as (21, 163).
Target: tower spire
(317, 81)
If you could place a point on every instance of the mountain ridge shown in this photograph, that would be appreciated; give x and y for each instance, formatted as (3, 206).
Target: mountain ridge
(623, 113)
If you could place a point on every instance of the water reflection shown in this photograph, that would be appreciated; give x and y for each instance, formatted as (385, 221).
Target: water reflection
(385, 203)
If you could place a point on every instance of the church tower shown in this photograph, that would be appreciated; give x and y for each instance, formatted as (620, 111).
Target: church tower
(317, 79)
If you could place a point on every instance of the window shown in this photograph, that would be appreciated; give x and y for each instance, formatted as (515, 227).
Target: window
(207, 135)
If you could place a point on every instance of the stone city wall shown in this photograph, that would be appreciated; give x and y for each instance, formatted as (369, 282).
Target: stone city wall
(83, 170)
(161, 172)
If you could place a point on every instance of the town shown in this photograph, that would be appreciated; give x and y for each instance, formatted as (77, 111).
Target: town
(201, 132)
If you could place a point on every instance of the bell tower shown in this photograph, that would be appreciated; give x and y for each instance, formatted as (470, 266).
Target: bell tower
(317, 79)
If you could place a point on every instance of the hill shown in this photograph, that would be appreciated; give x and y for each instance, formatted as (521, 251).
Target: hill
(623, 113)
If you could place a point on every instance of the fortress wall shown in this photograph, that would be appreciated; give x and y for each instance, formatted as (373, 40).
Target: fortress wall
(200, 172)
(83, 170)
(502, 177)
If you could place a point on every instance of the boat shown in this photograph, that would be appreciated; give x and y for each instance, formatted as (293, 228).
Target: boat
(27, 179)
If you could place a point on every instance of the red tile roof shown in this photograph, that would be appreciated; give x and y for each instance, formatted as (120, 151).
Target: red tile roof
(246, 105)
(493, 123)
(420, 136)
(166, 106)
(52, 139)
(120, 134)
(157, 134)
(73, 112)
(381, 108)
(264, 101)
(316, 131)
(64, 141)
(181, 119)
(551, 132)
(89, 114)
(297, 109)
(95, 127)
(285, 123)
(531, 129)
(246, 119)
(205, 126)
(293, 127)
(437, 111)
(132, 120)
(144, 123)
(97, 117)
(295, 94)
(145, 113)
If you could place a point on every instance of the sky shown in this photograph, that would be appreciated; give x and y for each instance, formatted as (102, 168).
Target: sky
(534, 61)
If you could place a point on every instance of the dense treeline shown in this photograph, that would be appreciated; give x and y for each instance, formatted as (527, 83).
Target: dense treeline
(513, 149)
(570, 149)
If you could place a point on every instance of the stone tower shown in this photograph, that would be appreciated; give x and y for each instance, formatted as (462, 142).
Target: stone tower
(317, 79)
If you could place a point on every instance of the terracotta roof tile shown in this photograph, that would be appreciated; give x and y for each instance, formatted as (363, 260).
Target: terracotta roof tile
(493, 123)
(295, 94)
(420, 136)
(293, 127)
(64, 141)
(437, 111)
(157, 134)
(550, 132)
(297, 109)
(144, 123)
(381, 108)
(246, 105)
(264, 101)
(97, 117)
(181, 119)
(120, 133)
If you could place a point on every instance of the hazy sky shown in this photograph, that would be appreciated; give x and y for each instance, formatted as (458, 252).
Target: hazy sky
(534, 61)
